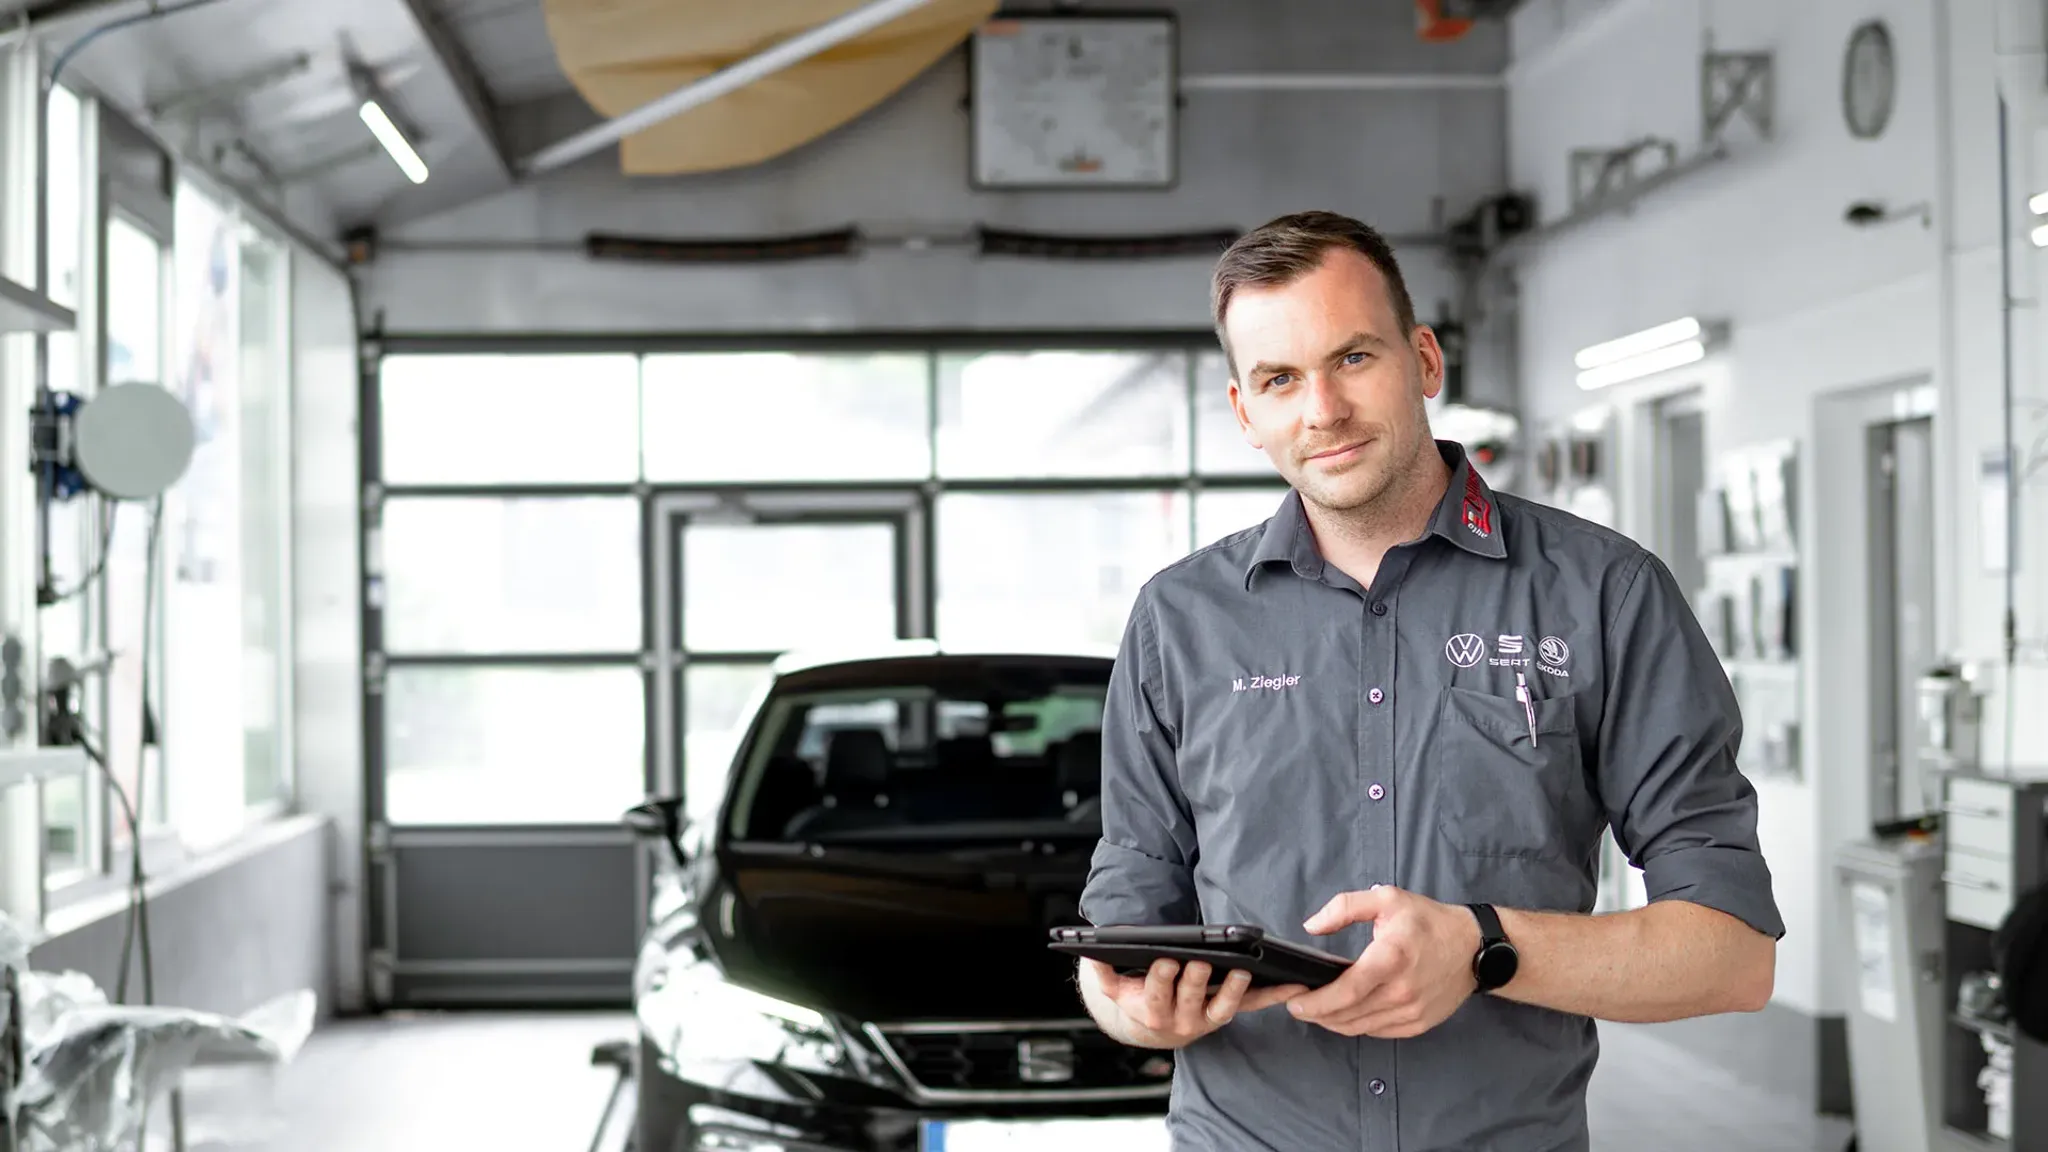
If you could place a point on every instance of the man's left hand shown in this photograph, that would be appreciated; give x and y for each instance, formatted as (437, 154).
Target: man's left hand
(1414, 974)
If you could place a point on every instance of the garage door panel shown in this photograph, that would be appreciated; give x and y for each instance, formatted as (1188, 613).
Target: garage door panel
(482, 902)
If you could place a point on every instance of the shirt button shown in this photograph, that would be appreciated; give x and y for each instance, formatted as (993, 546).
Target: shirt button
(1379, 1087)
(1375, 695)
(1379, 607)
(1377, 792)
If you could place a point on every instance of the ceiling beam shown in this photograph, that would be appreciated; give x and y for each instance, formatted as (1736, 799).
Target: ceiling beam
(469, 83)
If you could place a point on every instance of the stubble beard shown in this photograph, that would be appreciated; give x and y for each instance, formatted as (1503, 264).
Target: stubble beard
(1373, 491)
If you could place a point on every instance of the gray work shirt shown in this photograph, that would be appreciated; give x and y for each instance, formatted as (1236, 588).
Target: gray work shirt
(1276, 734)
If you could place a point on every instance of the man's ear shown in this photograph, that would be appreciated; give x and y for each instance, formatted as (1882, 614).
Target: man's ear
(1431, 354)
(1244, 423)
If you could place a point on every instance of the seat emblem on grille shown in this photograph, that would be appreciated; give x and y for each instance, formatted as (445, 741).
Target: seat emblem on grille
(1045, 1060)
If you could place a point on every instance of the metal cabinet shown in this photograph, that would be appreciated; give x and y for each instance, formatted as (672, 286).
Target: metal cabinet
(1994, 1082)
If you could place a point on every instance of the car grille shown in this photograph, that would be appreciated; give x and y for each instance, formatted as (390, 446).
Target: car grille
(1022, 1062)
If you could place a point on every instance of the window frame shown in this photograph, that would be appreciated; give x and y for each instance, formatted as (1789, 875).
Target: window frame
(925, 492)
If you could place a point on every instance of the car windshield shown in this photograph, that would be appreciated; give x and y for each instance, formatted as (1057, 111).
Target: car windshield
(955, 751)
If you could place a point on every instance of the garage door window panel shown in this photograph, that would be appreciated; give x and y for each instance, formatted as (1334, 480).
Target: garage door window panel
(1220, 447)
(546, 574)
(773, 587)
(732, 417)
(513, 745)
(1044, 414)
(510, 419)
(1043, 568)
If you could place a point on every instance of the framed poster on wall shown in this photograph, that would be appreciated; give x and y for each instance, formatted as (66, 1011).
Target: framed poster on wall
(1075, 100)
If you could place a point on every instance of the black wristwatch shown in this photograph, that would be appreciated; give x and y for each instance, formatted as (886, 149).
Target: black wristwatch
(1497, 959)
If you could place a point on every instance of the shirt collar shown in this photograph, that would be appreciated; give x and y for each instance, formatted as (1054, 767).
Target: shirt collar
(1468, 516)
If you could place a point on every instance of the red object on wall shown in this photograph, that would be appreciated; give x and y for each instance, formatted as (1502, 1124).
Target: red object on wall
(1431, 25)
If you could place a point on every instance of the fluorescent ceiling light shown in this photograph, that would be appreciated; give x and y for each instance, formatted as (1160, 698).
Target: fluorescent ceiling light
(2038, 205)
(1647, 364)
(2040, 236)
(1638, 343)
(394, 142)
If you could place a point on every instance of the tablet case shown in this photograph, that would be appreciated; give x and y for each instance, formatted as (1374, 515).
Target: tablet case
(1132, 949)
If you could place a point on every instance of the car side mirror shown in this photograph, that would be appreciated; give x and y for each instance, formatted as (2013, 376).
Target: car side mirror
(659, 820)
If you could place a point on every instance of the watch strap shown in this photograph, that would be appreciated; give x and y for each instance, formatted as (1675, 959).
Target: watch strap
(1490, 931)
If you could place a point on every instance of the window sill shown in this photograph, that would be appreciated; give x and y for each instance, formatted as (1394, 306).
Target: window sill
(89, 901)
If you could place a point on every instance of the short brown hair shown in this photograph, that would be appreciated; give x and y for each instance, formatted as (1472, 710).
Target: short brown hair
(1283, 250)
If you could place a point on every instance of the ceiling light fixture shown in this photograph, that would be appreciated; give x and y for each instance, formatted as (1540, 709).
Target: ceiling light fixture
(2038, 204)
(396, 140)
(1645, 353)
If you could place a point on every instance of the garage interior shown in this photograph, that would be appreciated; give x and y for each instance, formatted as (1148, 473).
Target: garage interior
(429, 427)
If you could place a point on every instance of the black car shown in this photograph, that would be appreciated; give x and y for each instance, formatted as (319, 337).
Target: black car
(852, 955)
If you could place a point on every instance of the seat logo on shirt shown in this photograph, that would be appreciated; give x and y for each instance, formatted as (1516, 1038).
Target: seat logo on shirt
(1478, 509)
(1266, 683)
(1464, 649)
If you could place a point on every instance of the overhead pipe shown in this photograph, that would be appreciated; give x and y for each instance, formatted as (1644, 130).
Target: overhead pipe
(726, 80)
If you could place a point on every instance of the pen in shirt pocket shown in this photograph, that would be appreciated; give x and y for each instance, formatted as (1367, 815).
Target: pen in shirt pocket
(1528, 704)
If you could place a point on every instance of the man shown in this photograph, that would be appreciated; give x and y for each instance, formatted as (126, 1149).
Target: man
(1393, 722)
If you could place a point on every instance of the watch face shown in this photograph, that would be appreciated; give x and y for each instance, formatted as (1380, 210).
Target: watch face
(1496, 964)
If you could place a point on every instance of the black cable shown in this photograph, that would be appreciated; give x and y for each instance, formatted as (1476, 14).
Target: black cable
(99, 567)
(156, 11)
(93, 754)
(137, 929)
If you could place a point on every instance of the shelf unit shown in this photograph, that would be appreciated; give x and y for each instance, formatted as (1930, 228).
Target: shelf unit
(1995, 845)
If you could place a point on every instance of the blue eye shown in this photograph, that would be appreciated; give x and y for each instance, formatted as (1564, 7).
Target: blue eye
(1357, 357)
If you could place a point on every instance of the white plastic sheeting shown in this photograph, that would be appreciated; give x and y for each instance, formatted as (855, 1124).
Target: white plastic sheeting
(92, 1072)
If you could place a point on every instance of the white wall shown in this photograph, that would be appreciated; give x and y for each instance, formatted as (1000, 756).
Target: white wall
(327, 712)
(1817, 309)
(1246, 156)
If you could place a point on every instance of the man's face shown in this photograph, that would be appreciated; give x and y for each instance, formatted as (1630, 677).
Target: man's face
(1327, 384)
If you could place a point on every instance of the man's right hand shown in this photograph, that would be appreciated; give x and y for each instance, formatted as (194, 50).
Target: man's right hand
(1169, 1007)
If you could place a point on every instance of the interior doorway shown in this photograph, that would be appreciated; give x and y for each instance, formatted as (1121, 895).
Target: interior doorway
(1899, 463)
(1672, 447)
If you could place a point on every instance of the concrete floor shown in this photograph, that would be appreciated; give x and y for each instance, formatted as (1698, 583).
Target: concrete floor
(524, 1083)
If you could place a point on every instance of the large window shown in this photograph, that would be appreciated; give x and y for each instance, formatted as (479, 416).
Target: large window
(224, 531)
(175, 613)
(135, 330)
(516, 527)
(77, 527)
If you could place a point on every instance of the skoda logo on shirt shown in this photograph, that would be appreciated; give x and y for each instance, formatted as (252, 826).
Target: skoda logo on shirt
(1464, 649)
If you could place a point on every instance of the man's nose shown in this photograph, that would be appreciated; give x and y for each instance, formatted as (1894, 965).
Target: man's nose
(1325, 403)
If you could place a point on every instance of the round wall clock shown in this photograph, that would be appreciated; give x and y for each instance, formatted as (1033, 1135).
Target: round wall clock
(1869, 75)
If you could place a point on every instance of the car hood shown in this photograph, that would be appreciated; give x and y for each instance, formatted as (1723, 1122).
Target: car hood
(886, 935)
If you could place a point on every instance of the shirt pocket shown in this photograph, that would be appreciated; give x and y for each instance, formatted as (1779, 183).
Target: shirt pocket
(1499, 793)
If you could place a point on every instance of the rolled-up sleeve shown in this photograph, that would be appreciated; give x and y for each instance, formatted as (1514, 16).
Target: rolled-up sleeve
(1142, 871)
(1677, 800)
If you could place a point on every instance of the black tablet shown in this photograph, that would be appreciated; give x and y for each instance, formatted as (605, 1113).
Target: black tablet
(1131, 950)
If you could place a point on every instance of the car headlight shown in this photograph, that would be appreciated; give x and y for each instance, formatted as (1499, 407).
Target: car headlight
(693, 1014)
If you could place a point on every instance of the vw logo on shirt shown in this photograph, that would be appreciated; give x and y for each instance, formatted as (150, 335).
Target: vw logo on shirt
(1464, 649)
